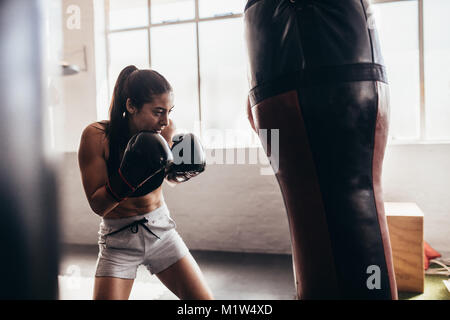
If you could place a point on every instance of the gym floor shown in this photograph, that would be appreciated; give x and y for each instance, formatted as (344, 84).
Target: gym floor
(240, 276)
(231, 276)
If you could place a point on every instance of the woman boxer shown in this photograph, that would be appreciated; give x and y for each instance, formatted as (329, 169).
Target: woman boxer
(317, 75)
(136, 227)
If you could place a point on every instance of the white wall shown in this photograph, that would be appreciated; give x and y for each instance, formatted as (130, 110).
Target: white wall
(421, 174)
(81, 93)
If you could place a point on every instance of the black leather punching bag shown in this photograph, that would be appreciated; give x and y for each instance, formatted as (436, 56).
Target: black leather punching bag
(317, 75)
(28, 228)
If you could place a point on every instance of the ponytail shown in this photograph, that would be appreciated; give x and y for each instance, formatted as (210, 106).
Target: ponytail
(117, 129)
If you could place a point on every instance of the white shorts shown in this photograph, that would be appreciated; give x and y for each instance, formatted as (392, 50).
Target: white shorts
(149, 239)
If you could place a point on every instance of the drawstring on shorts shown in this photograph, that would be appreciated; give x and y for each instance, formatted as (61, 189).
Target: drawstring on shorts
(134, 227)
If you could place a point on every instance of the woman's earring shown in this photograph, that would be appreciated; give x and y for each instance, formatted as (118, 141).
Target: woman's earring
(123, 114)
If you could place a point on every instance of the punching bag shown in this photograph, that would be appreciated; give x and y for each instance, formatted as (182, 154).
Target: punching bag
(28, 230)
(317, 75)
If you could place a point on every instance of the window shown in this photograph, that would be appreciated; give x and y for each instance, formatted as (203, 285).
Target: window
(126, 48)
(398, 29)
(217, 8)
(437, 69)
(127, 14)
(164, 11)
(224, 86)
(176, 60)
(179, 38)
(416, 50)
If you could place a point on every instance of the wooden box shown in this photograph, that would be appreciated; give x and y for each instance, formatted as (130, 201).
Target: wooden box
(405, 223)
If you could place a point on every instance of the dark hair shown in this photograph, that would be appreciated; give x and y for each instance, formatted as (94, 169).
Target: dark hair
(140, 86)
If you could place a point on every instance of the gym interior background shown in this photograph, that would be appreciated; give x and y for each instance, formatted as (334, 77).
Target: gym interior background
(235, 206)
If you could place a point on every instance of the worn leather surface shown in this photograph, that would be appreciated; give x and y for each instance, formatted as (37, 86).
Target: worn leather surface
(310, 42)
(317, 75)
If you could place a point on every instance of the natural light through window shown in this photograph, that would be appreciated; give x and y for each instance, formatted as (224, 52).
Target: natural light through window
(399, 35)
(437, 69)
(172, 10)
(209, 73)
(177, 61)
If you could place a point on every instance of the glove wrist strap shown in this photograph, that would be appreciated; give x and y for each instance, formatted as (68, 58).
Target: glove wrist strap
(118, 187)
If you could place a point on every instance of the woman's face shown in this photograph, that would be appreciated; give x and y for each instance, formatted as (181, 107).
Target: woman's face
(153, 116)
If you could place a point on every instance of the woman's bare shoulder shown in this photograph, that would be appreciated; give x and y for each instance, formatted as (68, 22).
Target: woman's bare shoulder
(96, 129)
(94, 137)
(100, 125)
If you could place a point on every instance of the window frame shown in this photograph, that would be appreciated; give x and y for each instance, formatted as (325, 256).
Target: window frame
(151, 25)
(392, 141)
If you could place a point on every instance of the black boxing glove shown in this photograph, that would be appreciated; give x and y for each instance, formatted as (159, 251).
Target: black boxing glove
(146, 157)
(150, 185)
(189, 159)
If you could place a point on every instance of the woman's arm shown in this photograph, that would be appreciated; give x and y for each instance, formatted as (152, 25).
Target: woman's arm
(94, 172)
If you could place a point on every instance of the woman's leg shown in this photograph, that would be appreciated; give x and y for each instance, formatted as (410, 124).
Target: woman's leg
(110, 288)
(185, 280)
